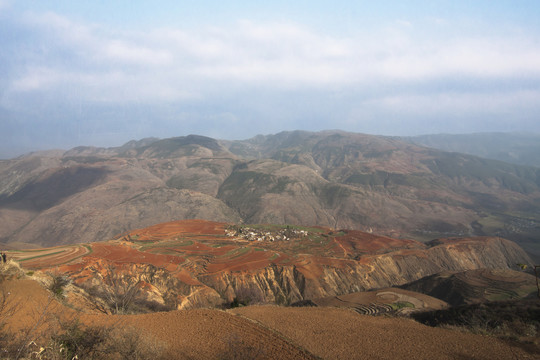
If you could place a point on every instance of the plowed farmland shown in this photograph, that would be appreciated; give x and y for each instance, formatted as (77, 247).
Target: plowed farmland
(204, 246)
(270, 332)
(194, 263)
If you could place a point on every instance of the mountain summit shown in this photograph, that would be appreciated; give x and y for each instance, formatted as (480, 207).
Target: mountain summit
(330, 178)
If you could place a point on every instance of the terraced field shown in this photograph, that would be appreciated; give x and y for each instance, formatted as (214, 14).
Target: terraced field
(193, 263)
(203, 246)
(50, 257)
(480, 285)
(383, 301)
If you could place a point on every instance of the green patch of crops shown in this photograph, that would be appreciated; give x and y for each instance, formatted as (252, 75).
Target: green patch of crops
(402, 304)
(234, 253)
(42, 255)
(168, 244)
(89, 248)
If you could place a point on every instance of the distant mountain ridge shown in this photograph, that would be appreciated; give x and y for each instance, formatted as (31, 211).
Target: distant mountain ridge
(523, 149)
(330, 178)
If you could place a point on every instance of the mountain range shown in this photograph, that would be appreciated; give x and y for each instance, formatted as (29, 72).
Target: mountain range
(518, 148)
(335, 179)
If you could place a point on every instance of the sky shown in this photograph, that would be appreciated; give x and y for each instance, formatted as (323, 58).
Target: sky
(101, 73)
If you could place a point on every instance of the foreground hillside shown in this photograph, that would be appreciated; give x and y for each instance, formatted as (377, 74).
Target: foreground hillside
(262, 332)
(196, 263)
(332, 179)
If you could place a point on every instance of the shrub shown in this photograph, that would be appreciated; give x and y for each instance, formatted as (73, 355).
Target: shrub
(303, 303)
(57, 284)
(247, 296)
(506, 318)
(73, 340)
(121, 290)
(76, 341)
(9, 270)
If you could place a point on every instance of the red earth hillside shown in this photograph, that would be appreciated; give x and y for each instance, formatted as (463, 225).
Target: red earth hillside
(191, 261)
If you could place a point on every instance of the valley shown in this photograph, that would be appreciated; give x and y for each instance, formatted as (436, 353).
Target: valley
(347, 234)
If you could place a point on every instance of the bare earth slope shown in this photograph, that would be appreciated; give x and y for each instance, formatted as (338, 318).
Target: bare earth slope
(473, 286)
(333, 333)
(279, 333)
(194, 263)
(333, 179)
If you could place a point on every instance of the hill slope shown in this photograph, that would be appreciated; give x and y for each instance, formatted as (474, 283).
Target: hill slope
(196, 263)
(268, 332)
(332, 178)
(474, 286)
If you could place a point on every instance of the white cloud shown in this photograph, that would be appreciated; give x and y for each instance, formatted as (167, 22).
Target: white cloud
(171, 64)
(36, 78)
(458, 104)
(125, 52)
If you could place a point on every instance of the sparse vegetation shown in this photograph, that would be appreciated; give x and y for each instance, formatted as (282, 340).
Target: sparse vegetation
(56, 336)
(401, 305)
(77, 341)
(120, 290)
(8, 308)
(513, 319)
(238, 349)
(57, 284)
(246, 295)
(68, 339)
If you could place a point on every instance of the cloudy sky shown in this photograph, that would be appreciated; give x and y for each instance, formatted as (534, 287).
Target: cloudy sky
(105, 72)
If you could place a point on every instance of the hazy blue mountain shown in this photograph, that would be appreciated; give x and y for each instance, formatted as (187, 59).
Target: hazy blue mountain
(515, 148)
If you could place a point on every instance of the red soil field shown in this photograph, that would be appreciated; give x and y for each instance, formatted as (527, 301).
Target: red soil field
(45, 258)
(355, 241)
(173, 229)
(191, 248)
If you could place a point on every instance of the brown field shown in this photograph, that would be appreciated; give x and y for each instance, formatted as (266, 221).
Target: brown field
(189, 248)
(184, 245)
(333, 333)
(271, 332)
(479, 285)
(49, 257)
(363, 301)
(177, 228)
(178, 245)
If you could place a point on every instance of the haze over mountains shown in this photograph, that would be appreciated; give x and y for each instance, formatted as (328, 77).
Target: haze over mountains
(518, 148)
(327, 219)
(331, 178)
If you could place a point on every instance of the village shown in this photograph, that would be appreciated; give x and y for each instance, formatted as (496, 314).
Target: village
(252, 234)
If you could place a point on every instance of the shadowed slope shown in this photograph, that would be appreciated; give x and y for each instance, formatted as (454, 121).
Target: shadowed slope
(331, 178)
